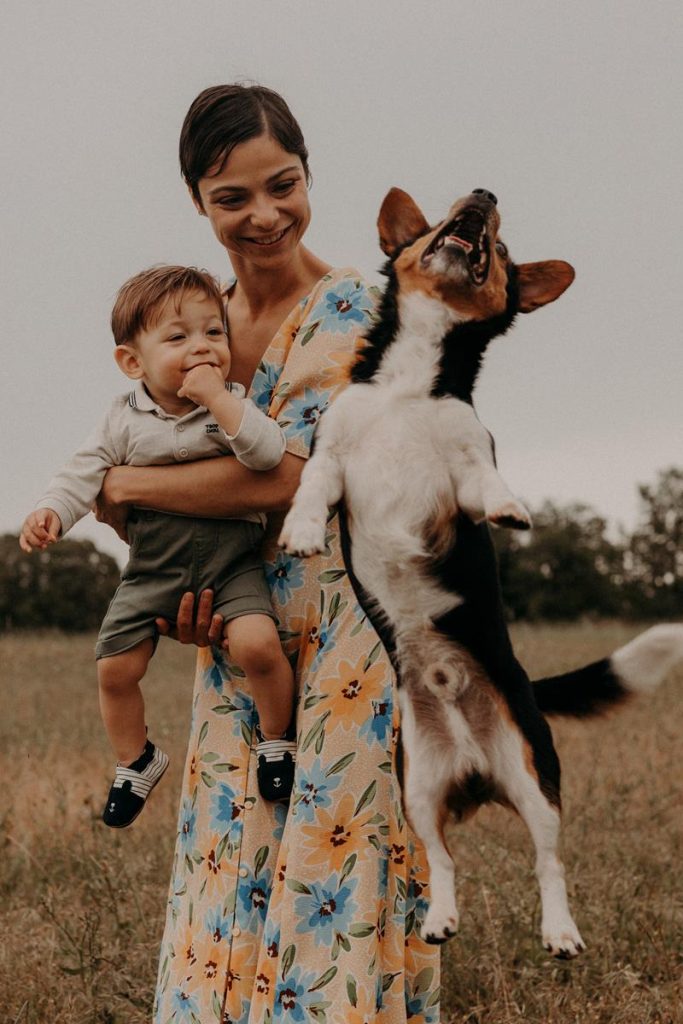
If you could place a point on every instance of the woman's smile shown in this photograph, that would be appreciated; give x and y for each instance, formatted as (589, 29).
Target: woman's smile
(268, 240)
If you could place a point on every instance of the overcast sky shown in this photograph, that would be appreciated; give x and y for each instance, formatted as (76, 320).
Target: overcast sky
(569, 112)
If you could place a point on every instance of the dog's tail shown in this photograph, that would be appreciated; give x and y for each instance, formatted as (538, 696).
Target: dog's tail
(638, 667)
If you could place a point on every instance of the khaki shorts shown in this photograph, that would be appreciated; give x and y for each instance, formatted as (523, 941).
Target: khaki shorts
(170, 555)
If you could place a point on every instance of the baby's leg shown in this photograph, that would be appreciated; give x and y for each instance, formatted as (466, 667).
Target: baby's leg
(121, 703)
(255, 646)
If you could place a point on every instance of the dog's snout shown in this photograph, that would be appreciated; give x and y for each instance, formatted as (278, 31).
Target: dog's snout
(486, 194)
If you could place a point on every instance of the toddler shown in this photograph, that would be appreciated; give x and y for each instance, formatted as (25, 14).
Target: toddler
(169, 328)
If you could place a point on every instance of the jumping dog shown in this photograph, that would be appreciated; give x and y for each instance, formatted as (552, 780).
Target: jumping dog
(404, 450)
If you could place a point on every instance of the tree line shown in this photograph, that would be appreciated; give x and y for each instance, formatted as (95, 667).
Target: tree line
(565, 568)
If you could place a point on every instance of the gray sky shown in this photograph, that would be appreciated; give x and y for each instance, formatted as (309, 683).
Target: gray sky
(569, 112)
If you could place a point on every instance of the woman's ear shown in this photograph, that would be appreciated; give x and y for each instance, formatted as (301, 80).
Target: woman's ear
(197, 202)
(129, 362)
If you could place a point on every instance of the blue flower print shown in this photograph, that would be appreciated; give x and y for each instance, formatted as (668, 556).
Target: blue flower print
(304, 413)
(313, 790)
(185, 1007)
(416, 1006)
(379, 727)
(265, 381)
(217, 923)
(280, 813)
(271, 938)
(226, 814)
(253, 894)
(343, 307)
(284, 576)
(324, 639)
(327, 910)
(292, 997)
(186, 825)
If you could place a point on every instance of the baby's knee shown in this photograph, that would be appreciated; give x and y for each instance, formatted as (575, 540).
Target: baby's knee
(121, 673)
(254, 644)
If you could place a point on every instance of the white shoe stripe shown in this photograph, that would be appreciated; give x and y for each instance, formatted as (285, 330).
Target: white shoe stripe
(142, 783)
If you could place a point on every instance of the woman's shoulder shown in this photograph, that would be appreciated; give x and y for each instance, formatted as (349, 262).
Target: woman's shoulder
(341, 301)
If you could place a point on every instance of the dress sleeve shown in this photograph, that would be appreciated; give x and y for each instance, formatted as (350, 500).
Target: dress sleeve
(320, 338)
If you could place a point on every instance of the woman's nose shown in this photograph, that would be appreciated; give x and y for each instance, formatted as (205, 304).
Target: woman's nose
(264, 213)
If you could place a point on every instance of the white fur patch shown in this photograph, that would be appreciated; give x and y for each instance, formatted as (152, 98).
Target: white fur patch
(643, 663)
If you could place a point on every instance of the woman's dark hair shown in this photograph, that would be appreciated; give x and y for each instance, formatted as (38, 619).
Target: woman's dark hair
(223, 116)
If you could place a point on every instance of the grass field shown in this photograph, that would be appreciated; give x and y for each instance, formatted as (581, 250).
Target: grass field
(82, 906)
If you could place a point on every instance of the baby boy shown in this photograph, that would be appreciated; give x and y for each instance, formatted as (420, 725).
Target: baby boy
(169, 328)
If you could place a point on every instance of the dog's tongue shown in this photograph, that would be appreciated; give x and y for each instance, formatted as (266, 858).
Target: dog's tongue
(457, 240)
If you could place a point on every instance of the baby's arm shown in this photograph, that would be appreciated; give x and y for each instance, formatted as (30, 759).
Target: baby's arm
(71, 492)
(257, 441)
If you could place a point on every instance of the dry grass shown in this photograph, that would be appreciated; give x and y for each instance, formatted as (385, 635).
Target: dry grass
(82, 907)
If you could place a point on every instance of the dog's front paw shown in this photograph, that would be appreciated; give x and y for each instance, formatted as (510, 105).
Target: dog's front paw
(512, 514)
(302, 535)
(563, 942)
(438, 926)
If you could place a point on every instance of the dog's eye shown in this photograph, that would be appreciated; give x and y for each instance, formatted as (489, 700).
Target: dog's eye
(501, 249)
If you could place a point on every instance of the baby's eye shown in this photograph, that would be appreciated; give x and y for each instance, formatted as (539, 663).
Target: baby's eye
(215, 332)
(176, 337)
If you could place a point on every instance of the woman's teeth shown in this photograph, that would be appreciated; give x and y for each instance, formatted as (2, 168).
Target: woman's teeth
(269, 239)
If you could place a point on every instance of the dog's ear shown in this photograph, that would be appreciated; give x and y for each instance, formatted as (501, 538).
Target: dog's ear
(540, 283)
(400, 221)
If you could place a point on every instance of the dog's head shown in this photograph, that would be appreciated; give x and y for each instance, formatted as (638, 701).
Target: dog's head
(462, 261)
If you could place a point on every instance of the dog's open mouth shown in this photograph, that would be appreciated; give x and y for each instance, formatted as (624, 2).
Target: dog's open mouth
(465, 239)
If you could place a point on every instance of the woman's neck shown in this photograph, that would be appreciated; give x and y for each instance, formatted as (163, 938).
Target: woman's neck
(263, 290)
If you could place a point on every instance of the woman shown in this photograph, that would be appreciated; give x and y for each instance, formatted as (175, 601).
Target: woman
(307, 913)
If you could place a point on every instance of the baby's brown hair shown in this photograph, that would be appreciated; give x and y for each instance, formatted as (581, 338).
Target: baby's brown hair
(140, 297)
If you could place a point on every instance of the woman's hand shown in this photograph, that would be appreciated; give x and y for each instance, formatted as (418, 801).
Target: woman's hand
(202, 628)
(110, 507)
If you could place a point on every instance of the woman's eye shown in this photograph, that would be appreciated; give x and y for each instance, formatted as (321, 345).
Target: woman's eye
(230, 202)
(283, 187)
(501, 249)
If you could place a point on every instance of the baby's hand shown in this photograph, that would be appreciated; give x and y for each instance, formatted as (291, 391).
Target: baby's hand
(203, 384)
(41, 528)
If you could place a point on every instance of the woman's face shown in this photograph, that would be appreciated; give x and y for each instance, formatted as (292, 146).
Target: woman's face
(257, 203)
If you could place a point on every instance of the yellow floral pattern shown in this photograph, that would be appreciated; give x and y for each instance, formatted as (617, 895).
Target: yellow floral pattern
(307, 914)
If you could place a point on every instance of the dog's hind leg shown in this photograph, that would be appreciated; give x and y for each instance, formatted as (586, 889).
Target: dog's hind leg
(516, 777)
(427, 778)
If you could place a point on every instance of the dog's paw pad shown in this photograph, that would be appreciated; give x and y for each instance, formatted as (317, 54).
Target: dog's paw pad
(512, 515)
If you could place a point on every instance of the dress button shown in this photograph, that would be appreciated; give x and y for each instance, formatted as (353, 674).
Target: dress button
(180, 426)
(243, 872)
(183, 453)
(236, 930)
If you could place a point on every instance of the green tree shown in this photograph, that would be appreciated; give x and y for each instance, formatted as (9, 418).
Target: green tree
(564, 568)
(654, 554)
(68, 586)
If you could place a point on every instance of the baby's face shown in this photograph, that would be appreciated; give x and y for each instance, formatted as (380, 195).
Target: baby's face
(187, 332)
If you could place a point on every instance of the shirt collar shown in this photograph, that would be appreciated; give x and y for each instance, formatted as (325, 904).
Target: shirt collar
(140, 399)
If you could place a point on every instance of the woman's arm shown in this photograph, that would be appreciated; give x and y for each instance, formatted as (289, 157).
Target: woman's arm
(210, 487)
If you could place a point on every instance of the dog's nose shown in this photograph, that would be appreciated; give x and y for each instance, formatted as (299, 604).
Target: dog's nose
(485, 192)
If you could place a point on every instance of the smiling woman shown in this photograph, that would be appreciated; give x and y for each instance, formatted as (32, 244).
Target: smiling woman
(307, 912)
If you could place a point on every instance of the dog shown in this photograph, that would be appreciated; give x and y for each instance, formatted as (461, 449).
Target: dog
(414, 470)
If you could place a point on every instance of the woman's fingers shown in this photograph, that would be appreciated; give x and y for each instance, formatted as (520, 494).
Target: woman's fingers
(204, 618)
(202, 627)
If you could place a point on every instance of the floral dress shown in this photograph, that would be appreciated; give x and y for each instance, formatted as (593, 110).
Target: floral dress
(309, 912)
